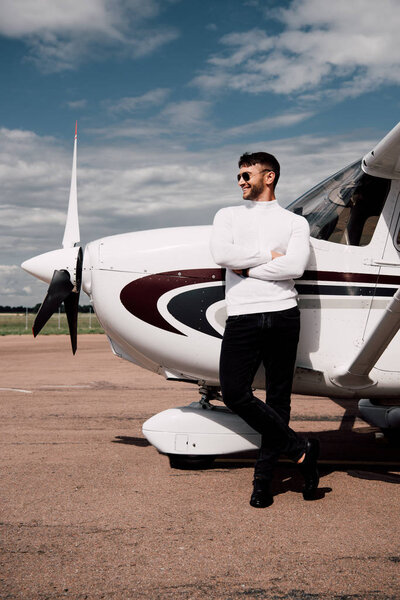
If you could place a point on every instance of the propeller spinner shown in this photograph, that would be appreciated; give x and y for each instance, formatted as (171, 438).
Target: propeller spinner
(62, 268)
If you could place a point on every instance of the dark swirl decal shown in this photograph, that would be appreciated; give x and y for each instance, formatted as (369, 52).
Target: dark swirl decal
(190, 308)
(140, 297)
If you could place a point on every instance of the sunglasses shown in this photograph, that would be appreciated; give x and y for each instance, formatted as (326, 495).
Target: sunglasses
(246, 176)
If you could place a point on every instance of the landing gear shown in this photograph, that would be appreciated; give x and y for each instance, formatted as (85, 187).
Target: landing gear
(384, 416)
(209, 393)
(197, 462)
(192, 436)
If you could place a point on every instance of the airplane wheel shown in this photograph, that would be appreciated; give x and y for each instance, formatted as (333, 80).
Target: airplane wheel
(187, 462)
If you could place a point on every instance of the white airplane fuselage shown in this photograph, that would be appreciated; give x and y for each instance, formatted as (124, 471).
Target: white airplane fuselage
(160, 298)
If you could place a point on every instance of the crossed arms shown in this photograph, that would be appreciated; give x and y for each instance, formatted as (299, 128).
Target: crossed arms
(267, 265)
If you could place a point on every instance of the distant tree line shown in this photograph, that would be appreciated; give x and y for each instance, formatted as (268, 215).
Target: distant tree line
(34, 309)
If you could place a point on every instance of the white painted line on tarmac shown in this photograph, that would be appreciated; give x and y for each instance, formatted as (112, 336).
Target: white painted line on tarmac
(15, 390)
(44, 387)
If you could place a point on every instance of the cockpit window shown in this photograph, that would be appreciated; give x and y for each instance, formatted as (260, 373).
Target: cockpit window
(344, 208)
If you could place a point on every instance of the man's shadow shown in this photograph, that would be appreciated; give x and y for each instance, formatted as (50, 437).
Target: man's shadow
(355, 447)
(288, 479)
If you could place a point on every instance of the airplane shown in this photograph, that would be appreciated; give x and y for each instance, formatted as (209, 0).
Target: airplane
(159, 297)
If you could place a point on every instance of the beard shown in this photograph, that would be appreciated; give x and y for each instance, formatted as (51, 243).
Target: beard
(255, 191)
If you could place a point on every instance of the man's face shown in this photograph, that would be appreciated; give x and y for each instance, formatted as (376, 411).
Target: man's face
(256, 184)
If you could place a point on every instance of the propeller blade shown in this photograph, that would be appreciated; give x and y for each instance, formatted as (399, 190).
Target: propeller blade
(71, 303)
(71, 309)
(71, 234)
(65, 284)
(60, 287)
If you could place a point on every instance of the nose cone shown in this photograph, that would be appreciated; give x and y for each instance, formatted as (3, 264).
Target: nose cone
(44, 265)
(40, 266)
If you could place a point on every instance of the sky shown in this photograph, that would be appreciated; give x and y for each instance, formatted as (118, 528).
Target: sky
(168, 94)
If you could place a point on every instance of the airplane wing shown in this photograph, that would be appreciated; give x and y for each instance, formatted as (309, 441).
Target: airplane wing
(384, 159)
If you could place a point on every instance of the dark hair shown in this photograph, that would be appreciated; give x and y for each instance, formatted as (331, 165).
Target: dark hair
(261, 158)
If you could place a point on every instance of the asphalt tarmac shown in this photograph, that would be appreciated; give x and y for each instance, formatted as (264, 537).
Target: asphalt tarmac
(90, 510)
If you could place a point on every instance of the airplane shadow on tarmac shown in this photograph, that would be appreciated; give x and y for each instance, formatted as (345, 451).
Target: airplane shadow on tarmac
(131, 441)
(354, 447)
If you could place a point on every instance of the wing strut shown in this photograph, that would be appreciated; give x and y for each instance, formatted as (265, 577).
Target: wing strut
(356, 375)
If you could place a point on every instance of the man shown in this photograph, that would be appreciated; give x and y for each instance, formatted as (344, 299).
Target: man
(263, 248)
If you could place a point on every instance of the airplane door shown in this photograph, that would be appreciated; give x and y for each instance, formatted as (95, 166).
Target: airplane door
(350, 215)
(388, 279)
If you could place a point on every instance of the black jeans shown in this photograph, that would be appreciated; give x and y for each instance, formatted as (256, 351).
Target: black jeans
(270, 338)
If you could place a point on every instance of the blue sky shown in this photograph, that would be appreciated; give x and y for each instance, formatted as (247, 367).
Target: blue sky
(168, 94)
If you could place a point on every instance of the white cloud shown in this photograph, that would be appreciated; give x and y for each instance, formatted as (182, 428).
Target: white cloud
(175, 122)
(135, 185)
(15, 290)
(61, 34)
(190, 113)
(147, 41)
(268, 123)
(33, 17)
(346, 47)
(247, 44)
(77, 104)
(182, 122)
(133, 103)
(131, 130)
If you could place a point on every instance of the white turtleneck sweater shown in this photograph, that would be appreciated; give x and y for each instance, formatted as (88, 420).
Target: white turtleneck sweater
(242, 238)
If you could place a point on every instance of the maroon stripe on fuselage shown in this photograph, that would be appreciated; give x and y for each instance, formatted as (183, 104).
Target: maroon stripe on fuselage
(350, 277)
(140, 297)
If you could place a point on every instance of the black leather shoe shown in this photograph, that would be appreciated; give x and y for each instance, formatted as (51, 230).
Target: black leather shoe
(309, 469)
(261, 496)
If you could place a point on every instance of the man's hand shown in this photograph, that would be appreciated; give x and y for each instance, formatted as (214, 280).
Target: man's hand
(240, 272)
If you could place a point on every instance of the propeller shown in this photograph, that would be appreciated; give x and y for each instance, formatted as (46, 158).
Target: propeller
(65, 284)
(60, 290)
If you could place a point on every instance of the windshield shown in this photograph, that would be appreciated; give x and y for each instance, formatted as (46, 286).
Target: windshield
(344, 208)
